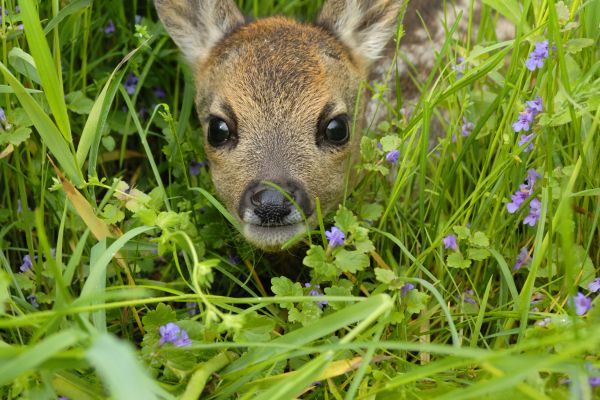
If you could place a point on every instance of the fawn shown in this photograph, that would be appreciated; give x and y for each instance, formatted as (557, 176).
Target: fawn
(276, 100)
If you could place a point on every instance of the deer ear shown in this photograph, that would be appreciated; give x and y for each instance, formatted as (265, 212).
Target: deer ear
(365, 26)
(197, 25)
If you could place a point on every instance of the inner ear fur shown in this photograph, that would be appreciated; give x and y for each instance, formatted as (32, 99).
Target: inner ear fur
(365, 26)
(197, 25)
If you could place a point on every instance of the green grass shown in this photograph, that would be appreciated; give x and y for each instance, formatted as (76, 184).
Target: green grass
(111, 265)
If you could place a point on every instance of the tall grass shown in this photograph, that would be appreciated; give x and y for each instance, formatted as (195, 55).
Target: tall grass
(109, 230)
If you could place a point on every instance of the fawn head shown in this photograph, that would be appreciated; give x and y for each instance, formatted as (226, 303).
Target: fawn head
(276, 101)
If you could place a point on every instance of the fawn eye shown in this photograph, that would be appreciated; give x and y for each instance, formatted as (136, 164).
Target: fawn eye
(218, 132)
(336, 131)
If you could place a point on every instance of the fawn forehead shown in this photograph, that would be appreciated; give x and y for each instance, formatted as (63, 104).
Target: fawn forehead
(277, 63)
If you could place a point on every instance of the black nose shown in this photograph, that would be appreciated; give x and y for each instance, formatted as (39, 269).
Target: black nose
(269, 205)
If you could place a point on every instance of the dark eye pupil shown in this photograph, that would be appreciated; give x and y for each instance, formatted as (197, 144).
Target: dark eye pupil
(218, 132)
(337, 131)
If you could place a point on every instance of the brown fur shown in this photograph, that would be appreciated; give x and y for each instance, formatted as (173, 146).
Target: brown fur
(276, 81)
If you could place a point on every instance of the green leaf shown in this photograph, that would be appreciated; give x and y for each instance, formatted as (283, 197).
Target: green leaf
(360, 240)
(478, 254)
(46, 128)
(256, 328)
(116, 363)
(479, 239)
(351, 261)
(79, 103)
(112, 214)
(385, 275)
(161, 315)
(416, 301)
(368, 149)
(15, 137)
(283, 287)
(456, 260)
(310, 313)
(46, 67)
(316, 259)
(343, 288)
(390, 142)
(574, 46)
(371, 212)
(345, 220)
(462, 232)
(23, 63)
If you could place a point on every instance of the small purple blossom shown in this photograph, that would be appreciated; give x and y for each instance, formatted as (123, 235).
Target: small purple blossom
(537, 56)
(545, 322)
(138, 19)
(535, 106)
(525, 190)
(195, 167)
(522, 258)
(459, 67)
(392, 156)
(159, 92)
(582, 303)
(467, 297)
(130, 83)
(27, 264)
(450, 242)
(110, 27)
(535, 206)
(594, 285)
(335, 237)
(234, 259)
(192, 308)
(518, 198)
(524, 121)
(316, 291)
(171, 333)
(467, 127)
(526, 139)
(594, 381)
(33, 301)
(62, 398)
(406, 288)
(19, 207)
(2, 115)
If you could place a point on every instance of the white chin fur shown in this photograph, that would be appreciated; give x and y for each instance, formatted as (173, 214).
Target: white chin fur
(271, 238)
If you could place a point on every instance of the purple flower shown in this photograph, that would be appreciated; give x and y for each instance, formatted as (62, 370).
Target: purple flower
(19, 206)
(537, 56)
(594, 381)
(192, 308)
(467, 127)
(582, 303)
(2, 115)
(33, 301)
(195, 167)
(316, 291)
(522, 258)
(138, 19)
(171, 333)
(110, 27)
(406, 288)
(543, 323)
(522, 124)
(130, 83)
(459, 67)
(526, 139)
(17, 9)
(535, 207)
(335, 237)
(159, 93)
(450, 242)
(62, 398)
(467, 297)
(594, 285)
(234, 259)
(392, 156)
(535, 106)
(27, 264)
(518, 198)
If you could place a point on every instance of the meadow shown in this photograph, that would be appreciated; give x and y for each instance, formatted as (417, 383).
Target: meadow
(465, 264)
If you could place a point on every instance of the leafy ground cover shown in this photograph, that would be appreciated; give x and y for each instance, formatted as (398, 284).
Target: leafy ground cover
(464, 270)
